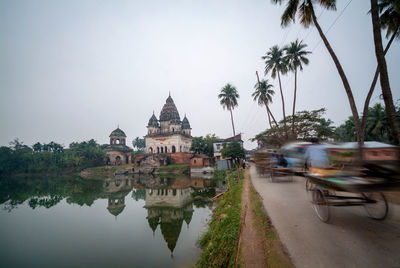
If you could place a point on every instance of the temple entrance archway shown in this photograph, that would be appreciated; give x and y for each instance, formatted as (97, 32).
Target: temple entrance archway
(173, 149)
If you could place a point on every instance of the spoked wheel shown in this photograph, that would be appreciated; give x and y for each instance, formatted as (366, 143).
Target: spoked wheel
(320, 204)
(376, 206)
(309, 185)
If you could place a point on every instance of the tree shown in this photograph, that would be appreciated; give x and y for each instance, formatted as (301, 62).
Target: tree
(390, 20)
(37, 147)
(263, 95)
(139, 144)
(204, 145)
(377, 126)
(276, 63)
(305, 10)
(199, 145)
(307, 124)
(234, 151)
(384, 77)
(296, 57)
(228, 99)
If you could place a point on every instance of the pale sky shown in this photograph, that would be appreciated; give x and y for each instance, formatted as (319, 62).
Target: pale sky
(74, 70)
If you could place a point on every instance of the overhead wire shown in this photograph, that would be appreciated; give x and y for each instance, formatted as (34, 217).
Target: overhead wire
(332, 24)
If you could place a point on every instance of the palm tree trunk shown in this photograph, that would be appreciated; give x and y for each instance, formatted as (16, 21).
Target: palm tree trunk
(269, 117)
(270, 113)
(233, 126)
(283, 104)
(384, 77)
(345, 82)
(371, 90)
(294, 99)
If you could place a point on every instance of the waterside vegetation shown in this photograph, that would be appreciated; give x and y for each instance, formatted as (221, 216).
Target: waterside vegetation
(50, 158)
(219, 243)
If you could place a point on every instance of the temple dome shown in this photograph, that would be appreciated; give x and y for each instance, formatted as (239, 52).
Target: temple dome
(185, 123)
(153, 122)
(169, 111)
(118, 132)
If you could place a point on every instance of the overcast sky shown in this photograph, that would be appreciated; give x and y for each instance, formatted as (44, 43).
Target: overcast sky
(74, 70)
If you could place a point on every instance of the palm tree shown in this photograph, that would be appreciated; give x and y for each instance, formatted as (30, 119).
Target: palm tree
(296, 57)
(384, 77)
(377, 125)
(390, 20)
(305, 10)
(228, 99)
(263, 95)
(276, 63)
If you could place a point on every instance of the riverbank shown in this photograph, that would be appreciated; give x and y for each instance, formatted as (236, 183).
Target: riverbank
(104, 172)
(219, 243)
(239, 222)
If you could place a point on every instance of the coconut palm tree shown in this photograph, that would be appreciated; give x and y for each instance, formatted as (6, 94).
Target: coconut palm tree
(384, 77)
(305, 11)
(389, 20)
(228, 99)
(296, 57)
(263, 95)
(276, 63)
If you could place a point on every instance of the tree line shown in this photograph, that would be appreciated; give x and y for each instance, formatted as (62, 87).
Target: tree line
(50, 157)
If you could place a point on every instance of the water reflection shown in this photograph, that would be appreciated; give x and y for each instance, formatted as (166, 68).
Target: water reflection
(168, 203)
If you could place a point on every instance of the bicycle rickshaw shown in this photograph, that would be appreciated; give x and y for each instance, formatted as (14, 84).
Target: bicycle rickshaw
(354, 191)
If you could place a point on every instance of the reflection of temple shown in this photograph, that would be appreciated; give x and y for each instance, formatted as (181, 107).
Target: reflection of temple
(169, 204)
(116, 189)
(170, 220)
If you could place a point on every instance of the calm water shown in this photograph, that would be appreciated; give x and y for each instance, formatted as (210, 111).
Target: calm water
(121, 222)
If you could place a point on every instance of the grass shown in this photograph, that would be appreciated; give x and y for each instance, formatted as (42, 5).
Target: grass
(219, 242)
(276, 257)
(182, 168)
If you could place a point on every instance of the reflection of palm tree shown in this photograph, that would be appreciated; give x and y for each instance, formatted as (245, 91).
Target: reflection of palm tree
(277, 64)
(296, 57)
(263, 95)
(228, 99)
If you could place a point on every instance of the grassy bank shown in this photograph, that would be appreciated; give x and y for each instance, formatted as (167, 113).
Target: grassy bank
(174, 169)
(276, 257)
(219, 242)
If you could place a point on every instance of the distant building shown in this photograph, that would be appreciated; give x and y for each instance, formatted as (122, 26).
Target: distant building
(169, 134)
(200, 163)
(117, 151)
(218, 145)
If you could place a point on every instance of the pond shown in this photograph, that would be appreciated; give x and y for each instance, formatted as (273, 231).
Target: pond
(124, 221)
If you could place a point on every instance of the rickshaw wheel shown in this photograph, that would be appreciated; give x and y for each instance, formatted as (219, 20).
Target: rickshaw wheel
(320, 205)
(378, 208)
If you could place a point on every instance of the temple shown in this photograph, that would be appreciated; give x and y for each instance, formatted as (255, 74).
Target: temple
(117, 151)
(169, 134)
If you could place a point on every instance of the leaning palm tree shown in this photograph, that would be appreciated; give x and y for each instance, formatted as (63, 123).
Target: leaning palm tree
(305, 10)
(228, 99)
(296, 57)
(390, 20)
(276, 63)
(263, 95)
(384, 77)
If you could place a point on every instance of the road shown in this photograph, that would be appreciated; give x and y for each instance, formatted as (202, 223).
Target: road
(351, 239)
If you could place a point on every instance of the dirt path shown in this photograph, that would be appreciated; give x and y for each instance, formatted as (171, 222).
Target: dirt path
(252, 239)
